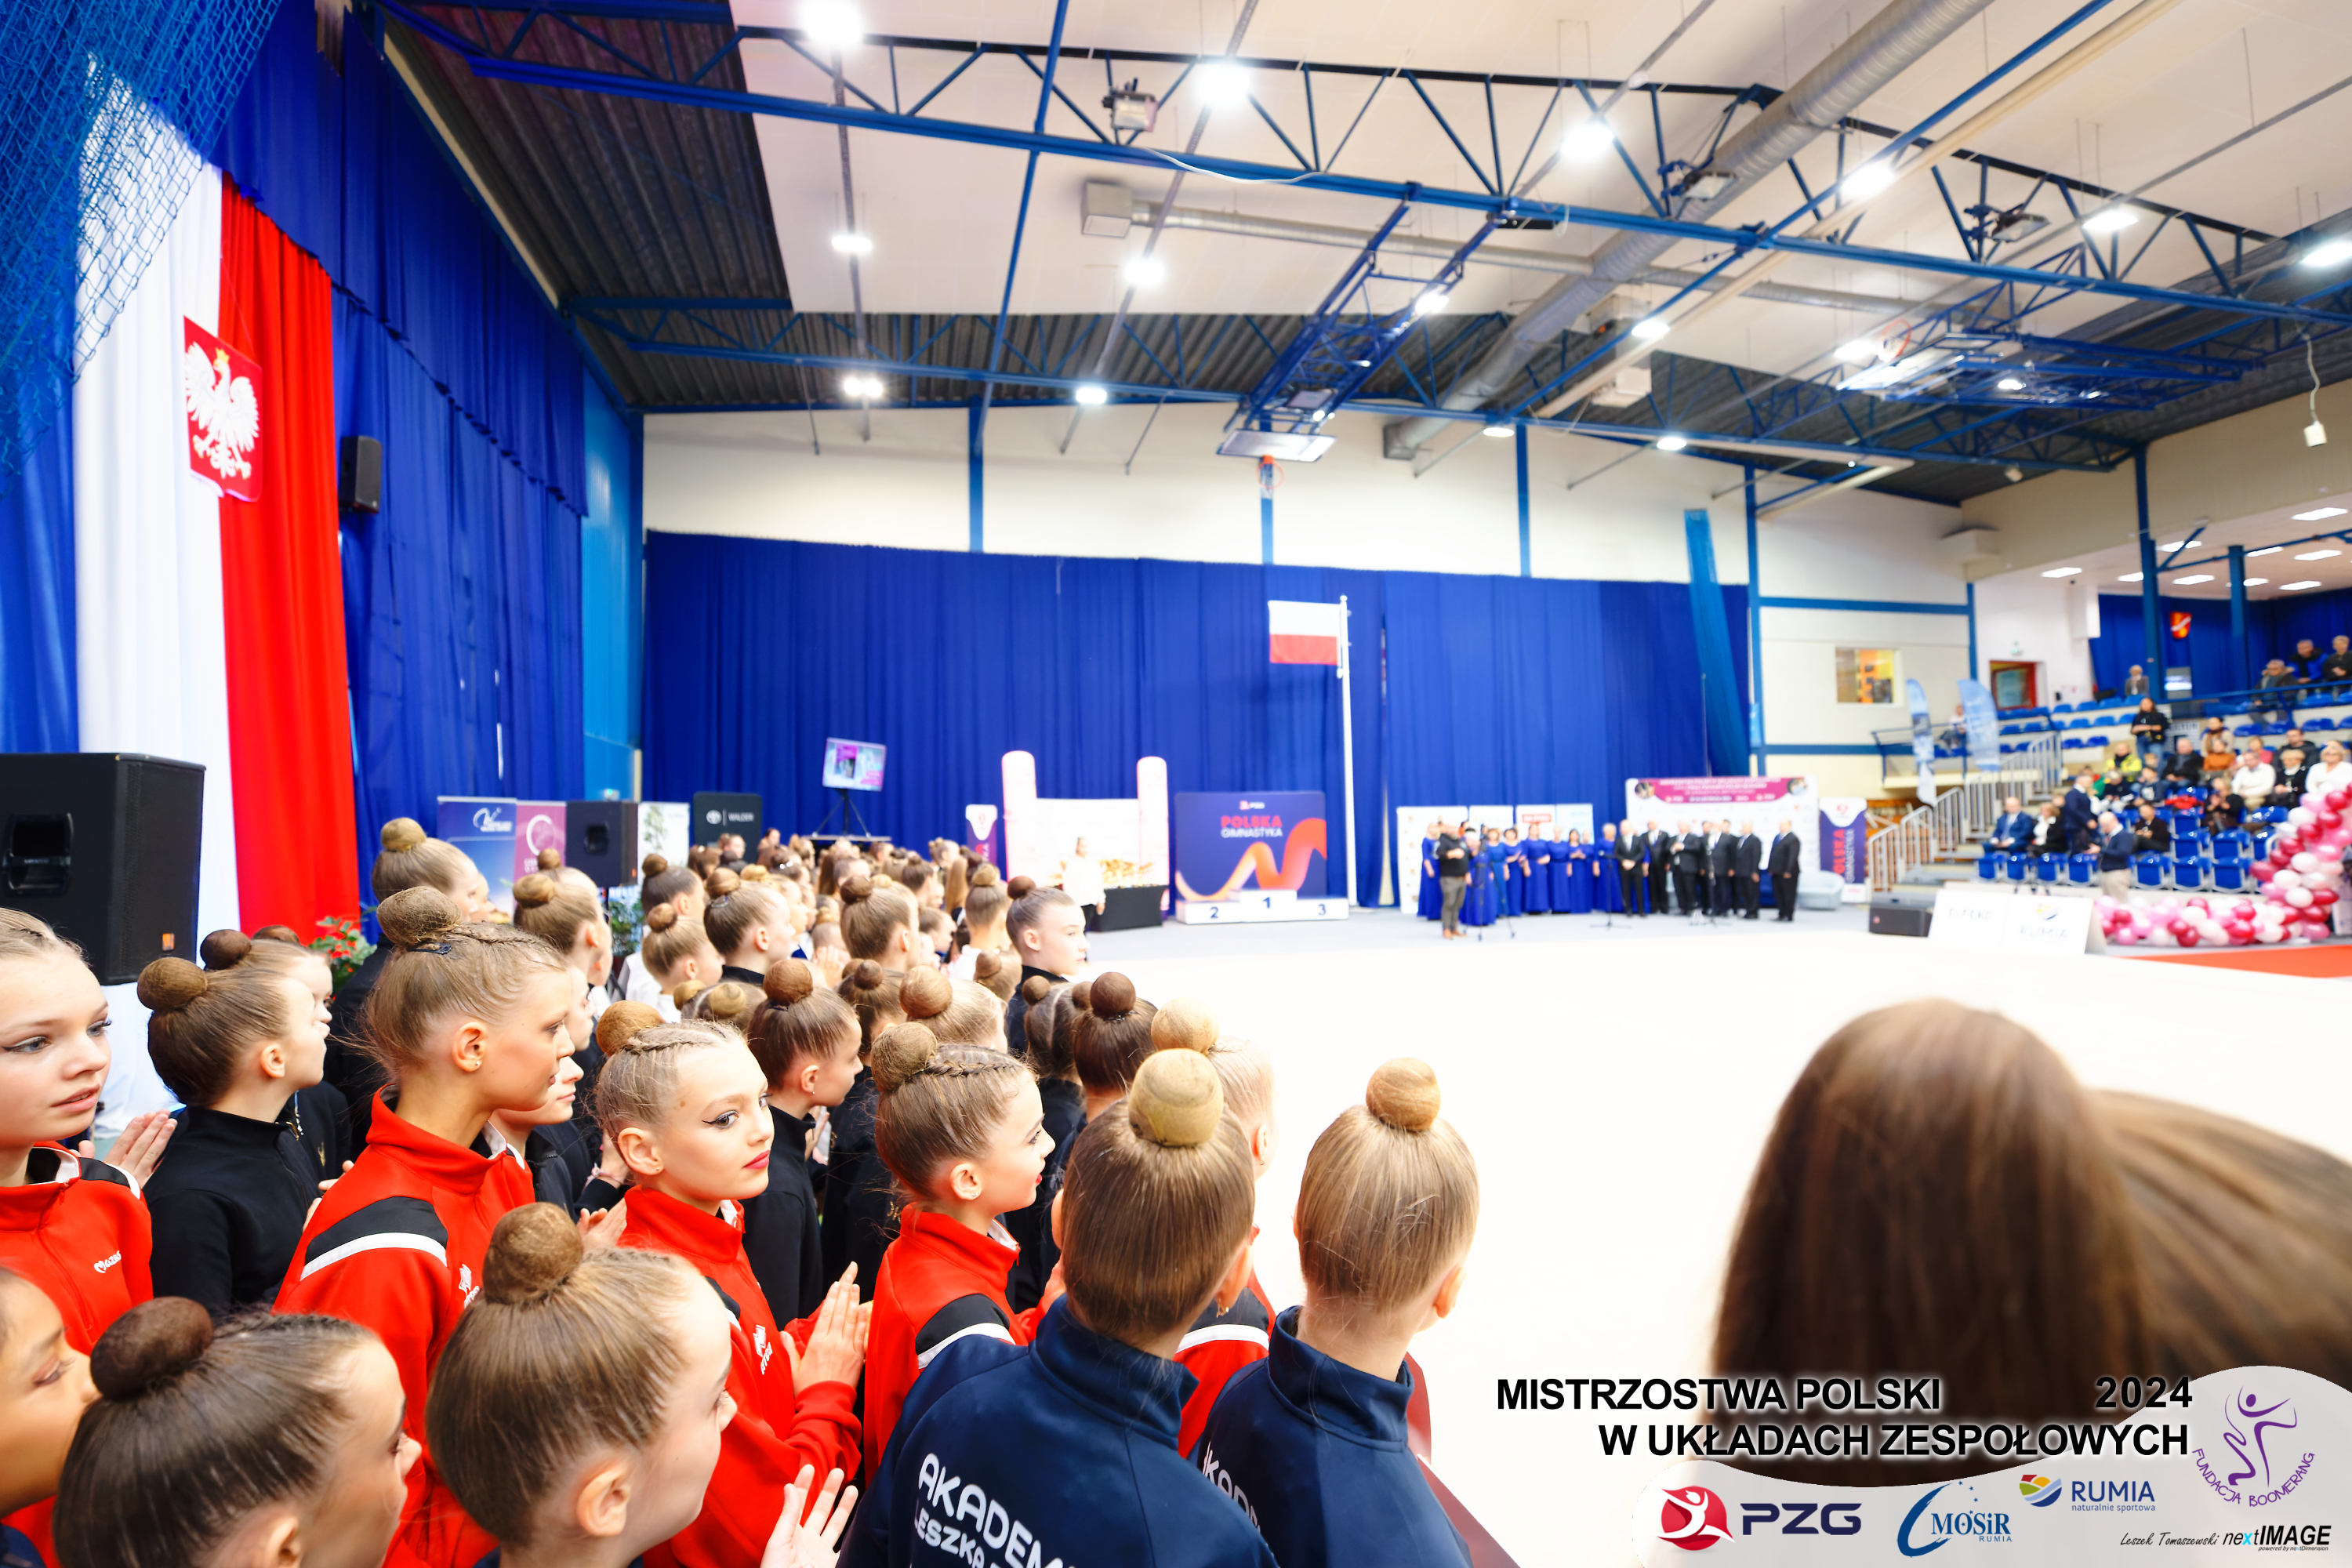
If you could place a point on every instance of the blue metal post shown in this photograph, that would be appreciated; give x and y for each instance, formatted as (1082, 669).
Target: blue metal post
(976, 422)
(1755, 634)
(1265, 528)
(1527, 553)
(1974, 672)
(2151, 603)
(2242, 657)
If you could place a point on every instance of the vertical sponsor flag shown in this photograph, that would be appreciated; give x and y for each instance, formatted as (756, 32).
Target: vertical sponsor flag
(1923, 740)
(1304, 633)
(1983, 722)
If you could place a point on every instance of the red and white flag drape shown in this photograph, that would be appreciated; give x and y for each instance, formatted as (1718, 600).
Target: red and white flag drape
(1303, 632)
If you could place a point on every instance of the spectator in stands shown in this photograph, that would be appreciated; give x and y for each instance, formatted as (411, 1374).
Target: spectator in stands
(2337, 665)
(2306, 661)
(2050, 834)
(2152, 835)
(2219, 756)
(2293, 773)
(2123, 761)
(2117, 845)
(2184, 767)
(2136, 683)
(2254, 780)
(2153, 786)
(2148, 726)
(2075, 813)
(2275, 674)
(2012, 830)
(2294, 741)
(2333, 771)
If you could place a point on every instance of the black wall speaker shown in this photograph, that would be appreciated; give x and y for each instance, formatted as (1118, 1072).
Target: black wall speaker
(714, 813)
(104, 846)
(360, 484)
(600, 838)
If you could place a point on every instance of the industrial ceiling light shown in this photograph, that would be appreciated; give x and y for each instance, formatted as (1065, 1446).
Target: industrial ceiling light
(1499, 430)
(1587, 139)
(1146, 271)
(852, 244)
(2010, 384)
(2110, 220)
(2013, 473)
(2328, 253)
(1092, 396)
(1672, 443)
(2316, 555)
(1224, 84)
(833, 23)
(858, 385)
(1650, 329)
(2292, 587)
(2064, 572)
(2193, 580)
(2319, 514)
(1868, 181)
(2257, 582)
(2133, 577)
(1432, 301)
(2265, 550)
(2174, 545)
(1862, 351)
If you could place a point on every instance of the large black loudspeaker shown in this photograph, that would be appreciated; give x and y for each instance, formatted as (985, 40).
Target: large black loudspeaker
(104, 846)
(359, 483)
(715, 813)
(600, 838)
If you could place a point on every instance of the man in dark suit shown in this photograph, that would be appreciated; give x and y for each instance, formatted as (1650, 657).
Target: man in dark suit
(1723, 867)
(1629, 869)
(1659, 846)
(1690, 872)
(1787, 867)
(2117, 845)
(1748, 865)
(2012, 830)
(2075, 813)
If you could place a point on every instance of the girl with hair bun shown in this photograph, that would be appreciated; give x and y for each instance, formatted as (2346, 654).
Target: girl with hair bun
(567, 919)
(468, 1019)
(1311, 1441)
(44, 1388)
(1154, 1222)
(962, 1129)
(235, 1042)
(1114, 1034)
(984, 908)
(954, 1013)
(1048, 1020)
(659, 883)
(997, 974)
(676, 950)
(804, 1038)
(859, 1218)
(583, 1400)
(883, 923)
(748, 924)
(684, 1105)
(266, 1440)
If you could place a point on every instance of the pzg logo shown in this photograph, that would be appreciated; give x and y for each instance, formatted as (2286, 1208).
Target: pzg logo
(1693, 1518)
(1924, 1531)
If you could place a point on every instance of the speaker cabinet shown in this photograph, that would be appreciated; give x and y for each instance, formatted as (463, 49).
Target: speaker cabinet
(714, 813)
(1890, 919)
(600, 840)
(105, 848)
(360, 480)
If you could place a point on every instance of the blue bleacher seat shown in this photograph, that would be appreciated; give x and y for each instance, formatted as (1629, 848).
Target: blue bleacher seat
(2149, 870)
(2064, 708)
(2192, 874)
(2276, 728)
(2231, 848)
(2081, 867)
(2049, 868)
(2188, 841)
(2229, 877)
(1988, 867)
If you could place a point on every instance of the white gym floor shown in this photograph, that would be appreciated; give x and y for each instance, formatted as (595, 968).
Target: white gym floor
(1616, 1090)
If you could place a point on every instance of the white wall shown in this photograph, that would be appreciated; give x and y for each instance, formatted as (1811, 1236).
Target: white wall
(2025, 615)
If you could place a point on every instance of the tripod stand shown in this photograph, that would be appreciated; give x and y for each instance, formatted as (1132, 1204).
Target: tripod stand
(848, 815)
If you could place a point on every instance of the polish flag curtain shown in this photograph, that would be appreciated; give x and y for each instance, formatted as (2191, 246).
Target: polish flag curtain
(210, 629)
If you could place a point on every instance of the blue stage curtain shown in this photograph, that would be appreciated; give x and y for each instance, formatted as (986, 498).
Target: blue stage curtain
(1722, 694)
(38, 706)
(347, 168)
(2272, 627)
(461, 601)
(1497, 688)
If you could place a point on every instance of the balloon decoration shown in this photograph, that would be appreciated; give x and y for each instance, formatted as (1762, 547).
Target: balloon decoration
(2299, 879)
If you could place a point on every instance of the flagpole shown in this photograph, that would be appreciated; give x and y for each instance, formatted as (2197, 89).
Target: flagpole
(1347, 750)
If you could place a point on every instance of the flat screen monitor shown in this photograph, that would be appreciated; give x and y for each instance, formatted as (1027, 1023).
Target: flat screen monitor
(852, 764)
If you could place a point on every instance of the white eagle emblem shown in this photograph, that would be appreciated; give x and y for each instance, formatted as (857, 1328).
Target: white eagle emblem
(223, 410)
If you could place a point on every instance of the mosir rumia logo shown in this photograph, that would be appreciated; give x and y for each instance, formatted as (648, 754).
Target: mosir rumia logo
(1924, 1531)
(2260, 1463)
(1693, 1518)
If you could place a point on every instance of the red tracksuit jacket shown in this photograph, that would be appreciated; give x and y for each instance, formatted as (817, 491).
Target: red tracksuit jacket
(774, 1432)
(397, 1245)
(78, 1230)
(1216, 1346)
(938, 1282)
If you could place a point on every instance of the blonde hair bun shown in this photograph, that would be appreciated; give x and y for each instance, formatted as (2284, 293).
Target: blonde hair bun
(550, 858)
(1403, 1094)
(654, 865)
(415, 917)
(855, 889)
(169, 985)
(901, 1052)
(721, 883)
(1176, 1099)
(225, 949)
(661, 917)
(788, 980)
(924, 994)
(1185, 1022)
(622, 1022)
(532, 1252)
(402, 833)
(535, 890)
(729, 1000)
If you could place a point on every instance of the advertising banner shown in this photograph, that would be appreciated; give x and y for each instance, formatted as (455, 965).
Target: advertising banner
(1923, 740)
(662, 829)
(717, 811)
(1681, 805)
(1969, 916)
(1845, 836)
(484, 827)
(1983, 722)
(980, 833)
(2253, 1460)
(539, 825)
(1227, 845)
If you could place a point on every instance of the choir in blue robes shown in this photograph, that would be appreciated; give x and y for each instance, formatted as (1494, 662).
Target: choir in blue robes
(1433, 897)
(1478, 900)
(1515, 883)
(1608, 894)
(1539, 852)
(1576, 897)
(1563, 878)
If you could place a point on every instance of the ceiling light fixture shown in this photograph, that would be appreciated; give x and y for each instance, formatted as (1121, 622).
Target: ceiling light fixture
(2174, 545)
(1650, 329)
(833, 23)
(2110, 220)
(2132, 577)
(1862, 351)
(855, 384)
(2316, 555)
(1431, 301)
(1587, 139)
(1091, 396)
(852, 244)
(2265, 550)
(1146, 271)
(2291, 587)
(2319, 514)
(1672, 443)
(2013, 473)
(2064, 572)
(2328, 253)
(1867, 181)
(1225, 85)
(2010, 384)
(2257, 582)
(2192, 581)
(1497, 430)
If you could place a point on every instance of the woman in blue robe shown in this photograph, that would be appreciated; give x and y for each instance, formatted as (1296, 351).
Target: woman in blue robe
(1478, 901)
(1433, 897)
(1608, 893)
(1515, 869)
(1577, 855)
(1563, 875)
(1539, 850)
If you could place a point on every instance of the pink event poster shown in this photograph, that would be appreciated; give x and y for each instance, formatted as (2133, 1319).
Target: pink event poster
(539, 825)
(1759, 804)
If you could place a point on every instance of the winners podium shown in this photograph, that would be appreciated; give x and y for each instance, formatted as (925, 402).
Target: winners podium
(1276, 904)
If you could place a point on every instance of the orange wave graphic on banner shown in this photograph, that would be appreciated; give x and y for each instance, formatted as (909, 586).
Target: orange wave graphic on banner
(1306, 839)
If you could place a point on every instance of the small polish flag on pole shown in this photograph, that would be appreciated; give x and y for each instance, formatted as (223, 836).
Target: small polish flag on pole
(1304, 633)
